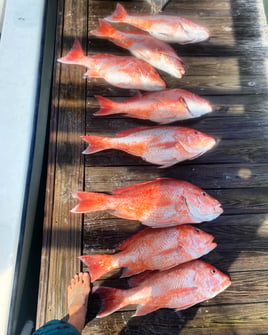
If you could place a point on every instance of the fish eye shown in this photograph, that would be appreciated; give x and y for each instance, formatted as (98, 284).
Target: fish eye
(204, 194)
(213, 271)
(195, 132)
(197, 230)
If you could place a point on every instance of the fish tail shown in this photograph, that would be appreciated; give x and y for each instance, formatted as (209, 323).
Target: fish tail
(74, 55)
(105, 30)
(96, 143)
(118, 15)
(107, 106)
(112, 299)
(90, 202)
(98, 265)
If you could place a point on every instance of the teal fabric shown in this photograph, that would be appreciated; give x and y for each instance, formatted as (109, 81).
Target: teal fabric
(57, 327)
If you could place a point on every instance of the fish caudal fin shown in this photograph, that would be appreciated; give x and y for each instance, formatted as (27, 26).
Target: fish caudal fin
(118, 15)
(112, 300)
(105, 30)
(74, 55)
(96, 143)
(107, 106)
(98, 265)
(90, 202)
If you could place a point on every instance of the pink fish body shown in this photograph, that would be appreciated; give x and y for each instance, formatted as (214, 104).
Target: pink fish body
(164, 27)
(121, 71)
(160, 145)
(163, 107)
(143, 46)
(153, 249)
(159, 203)
(180, 287)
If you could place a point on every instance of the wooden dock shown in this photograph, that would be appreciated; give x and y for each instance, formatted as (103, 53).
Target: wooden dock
(231, 71)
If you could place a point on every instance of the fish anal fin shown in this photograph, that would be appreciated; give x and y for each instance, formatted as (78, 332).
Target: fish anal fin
(122, 215)
(91, 74)
(140, 277)
(145, 309)
(132, 239)
(129, 271)
(169, 163)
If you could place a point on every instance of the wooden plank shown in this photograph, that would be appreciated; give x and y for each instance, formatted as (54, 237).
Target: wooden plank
(220, 127)
(214, 176)
(243, 319)
(64, 249)
(51, 164)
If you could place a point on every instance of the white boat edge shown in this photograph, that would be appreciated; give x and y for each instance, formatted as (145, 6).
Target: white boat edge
(20, 57)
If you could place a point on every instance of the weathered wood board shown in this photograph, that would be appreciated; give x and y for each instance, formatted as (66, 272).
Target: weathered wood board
(231, 71)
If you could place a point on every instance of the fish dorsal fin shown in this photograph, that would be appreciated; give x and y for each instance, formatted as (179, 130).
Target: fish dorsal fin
(138, 95)
(163, 178)
(131, 131)
(102, 55)
(133, 238)
(124, 189)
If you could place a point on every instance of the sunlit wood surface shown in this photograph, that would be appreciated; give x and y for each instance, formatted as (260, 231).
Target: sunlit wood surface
(230, 70)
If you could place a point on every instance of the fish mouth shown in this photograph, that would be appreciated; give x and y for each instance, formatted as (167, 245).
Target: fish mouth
(218, 209)
(211, 243)
(227, 282)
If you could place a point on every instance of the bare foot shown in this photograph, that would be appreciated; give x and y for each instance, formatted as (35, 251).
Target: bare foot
(78, 292)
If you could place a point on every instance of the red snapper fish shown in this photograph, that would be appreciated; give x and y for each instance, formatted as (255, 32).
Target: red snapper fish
(180, 287)
(163, 107)
(162, 202)
(168, 28)
(153, 249)
(121, 71)
(143, 46)
(160, 145)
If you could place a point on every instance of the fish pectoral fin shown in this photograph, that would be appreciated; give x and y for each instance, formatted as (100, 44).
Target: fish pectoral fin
(167, 145)
(145, 309)
(91, 73)
(189, 289)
